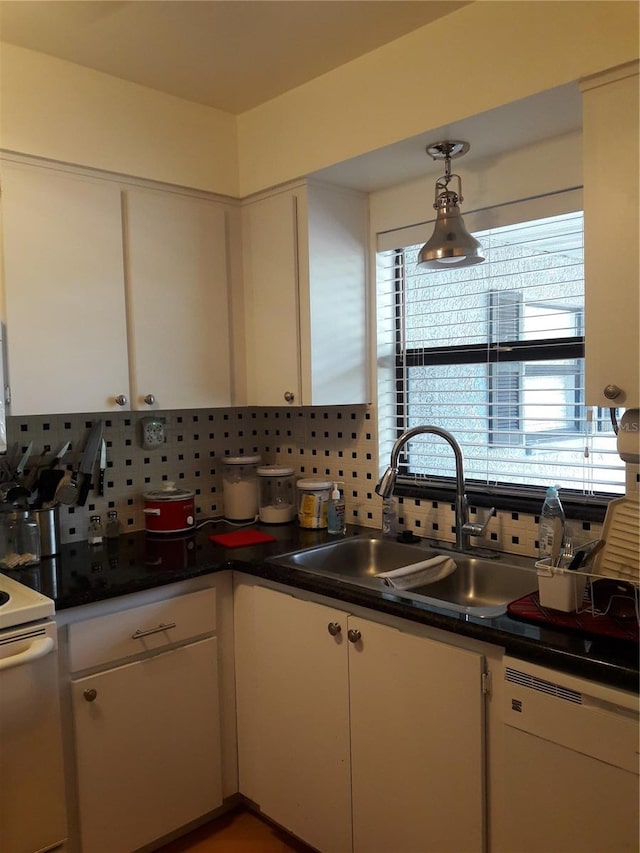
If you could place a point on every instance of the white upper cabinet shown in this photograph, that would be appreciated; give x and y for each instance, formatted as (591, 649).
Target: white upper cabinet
(304, 269)
(177, 302)
(116, 297)
(64, 291)
(612, 328)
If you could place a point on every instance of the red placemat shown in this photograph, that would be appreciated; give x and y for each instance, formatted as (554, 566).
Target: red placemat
(240, 538)
(529, 609)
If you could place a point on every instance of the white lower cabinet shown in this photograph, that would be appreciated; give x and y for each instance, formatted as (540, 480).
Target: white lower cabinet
(147, 731)
(355, 735)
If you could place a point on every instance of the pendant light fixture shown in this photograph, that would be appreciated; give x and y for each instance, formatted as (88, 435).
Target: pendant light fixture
(450, 245)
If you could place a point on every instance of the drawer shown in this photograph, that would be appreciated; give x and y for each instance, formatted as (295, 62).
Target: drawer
(137, 630)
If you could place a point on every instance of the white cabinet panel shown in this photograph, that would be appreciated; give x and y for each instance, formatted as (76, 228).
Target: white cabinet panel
(304, 267)
(64, 291)
(375, 745)
(612, 273)
(147, 747)
(271, 300)
(176, 270)
(293, 714)
(417, 722)
(112, 292)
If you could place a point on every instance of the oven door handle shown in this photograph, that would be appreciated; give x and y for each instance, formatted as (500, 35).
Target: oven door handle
(38, 649)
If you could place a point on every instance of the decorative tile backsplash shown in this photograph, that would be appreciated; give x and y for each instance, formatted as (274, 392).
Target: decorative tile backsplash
(333, 443)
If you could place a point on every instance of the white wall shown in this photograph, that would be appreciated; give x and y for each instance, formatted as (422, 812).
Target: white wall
(61, 111)
(482, 56)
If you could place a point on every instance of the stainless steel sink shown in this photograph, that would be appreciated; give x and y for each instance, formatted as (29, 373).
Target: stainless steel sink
(482, 586)
(356, 557)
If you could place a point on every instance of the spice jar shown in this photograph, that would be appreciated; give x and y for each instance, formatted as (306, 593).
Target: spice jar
(112, 527)
(94, 532)
(240, 487)
(277, 499)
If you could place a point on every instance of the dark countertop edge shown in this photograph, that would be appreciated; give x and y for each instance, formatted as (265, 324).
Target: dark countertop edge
(608, 661)
(549, 651)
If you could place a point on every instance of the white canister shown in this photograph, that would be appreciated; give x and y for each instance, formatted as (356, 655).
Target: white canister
(313, 500)
(277, 497)
(240, 487)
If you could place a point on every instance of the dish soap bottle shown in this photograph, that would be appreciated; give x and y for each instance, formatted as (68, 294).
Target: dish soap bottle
(551, 529)
(336, 512)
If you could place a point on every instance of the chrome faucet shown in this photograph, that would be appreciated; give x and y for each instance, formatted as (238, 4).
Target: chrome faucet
(464, 528)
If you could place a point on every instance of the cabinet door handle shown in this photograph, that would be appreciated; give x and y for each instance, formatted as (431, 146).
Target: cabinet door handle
(289, 396)
(121, 400)
(163, 626)
(354, 635)
(149, 399)
(334, 628)
(90, 694)
(611, 392)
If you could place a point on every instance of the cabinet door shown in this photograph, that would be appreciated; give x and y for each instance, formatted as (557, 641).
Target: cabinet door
(147, 747)
(417, 739)
(270, 270)
(293, 714)
(177, 301)
(611, 206)
(64, 291)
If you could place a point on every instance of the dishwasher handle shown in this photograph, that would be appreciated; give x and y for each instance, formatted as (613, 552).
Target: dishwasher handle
(37, 649)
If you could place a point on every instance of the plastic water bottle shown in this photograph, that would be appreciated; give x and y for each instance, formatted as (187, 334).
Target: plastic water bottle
(551, 529)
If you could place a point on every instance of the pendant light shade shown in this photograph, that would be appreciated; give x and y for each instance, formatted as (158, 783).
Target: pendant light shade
(450, 245)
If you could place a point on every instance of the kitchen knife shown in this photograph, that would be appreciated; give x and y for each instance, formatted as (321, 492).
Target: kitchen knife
(22, 463)
(88, 462)
(60, 454)
(103, 465)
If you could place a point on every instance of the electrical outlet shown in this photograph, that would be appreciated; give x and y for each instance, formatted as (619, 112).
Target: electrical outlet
(152, 433)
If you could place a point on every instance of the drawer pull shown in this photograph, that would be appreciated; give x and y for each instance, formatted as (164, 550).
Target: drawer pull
(157, 630)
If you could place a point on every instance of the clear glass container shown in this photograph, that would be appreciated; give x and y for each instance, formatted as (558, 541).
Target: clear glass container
(20, 541)
(277, 494)
(240, 487)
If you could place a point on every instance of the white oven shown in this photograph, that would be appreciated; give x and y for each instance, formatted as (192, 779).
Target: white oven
(32, 793)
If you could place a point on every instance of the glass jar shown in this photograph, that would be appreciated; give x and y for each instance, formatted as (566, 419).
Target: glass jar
(20, 542)
(277, 498)
(240, 487)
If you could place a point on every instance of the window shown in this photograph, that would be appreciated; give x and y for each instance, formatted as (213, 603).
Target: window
(495, 354)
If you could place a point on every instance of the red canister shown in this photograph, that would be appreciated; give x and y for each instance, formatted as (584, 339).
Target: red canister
(169, 510)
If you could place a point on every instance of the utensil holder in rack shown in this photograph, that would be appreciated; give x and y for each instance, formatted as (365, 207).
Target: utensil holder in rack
(573, 591)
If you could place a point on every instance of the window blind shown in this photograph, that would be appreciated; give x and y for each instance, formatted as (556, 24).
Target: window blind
(495, 354)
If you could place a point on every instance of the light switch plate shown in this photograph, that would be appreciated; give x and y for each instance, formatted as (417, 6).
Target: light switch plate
(152, 433)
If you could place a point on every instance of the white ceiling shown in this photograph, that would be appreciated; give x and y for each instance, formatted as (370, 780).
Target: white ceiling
(229, 54)
(236, 54)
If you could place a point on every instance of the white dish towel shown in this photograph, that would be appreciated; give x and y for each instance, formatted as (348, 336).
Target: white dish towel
(418, 574)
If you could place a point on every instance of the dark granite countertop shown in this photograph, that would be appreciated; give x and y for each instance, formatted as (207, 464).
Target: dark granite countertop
(83, 574)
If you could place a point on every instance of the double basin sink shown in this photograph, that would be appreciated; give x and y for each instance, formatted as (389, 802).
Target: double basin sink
(478, 585)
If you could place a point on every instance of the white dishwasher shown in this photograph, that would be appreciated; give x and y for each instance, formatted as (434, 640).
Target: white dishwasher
(570, 764)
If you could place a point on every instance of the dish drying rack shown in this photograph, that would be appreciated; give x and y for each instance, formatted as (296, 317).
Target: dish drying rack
(618, 561)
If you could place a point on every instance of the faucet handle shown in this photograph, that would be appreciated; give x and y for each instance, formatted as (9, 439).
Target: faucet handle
(478, 528)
